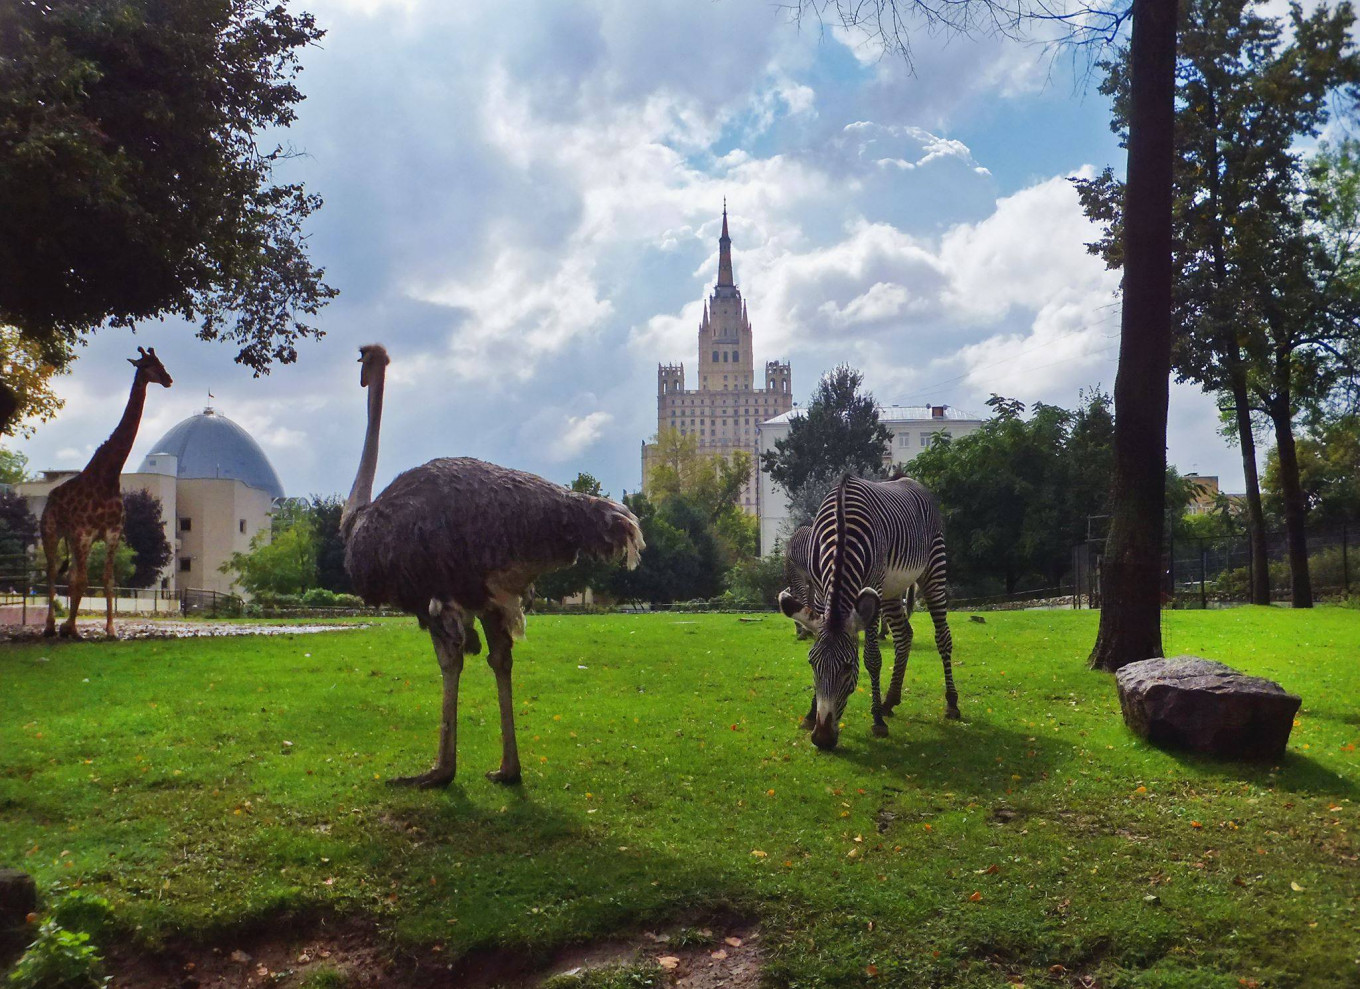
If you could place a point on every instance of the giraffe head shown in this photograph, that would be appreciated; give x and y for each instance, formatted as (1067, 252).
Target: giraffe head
(150, 368)
(372, 356)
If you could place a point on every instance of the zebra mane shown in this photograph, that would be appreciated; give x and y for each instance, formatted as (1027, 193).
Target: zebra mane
(834, 613)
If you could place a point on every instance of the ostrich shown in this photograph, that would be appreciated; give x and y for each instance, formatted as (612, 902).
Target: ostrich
(459, 538)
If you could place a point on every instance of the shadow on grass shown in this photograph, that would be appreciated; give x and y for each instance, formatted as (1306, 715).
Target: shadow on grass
(976, 756)
(1294, 773)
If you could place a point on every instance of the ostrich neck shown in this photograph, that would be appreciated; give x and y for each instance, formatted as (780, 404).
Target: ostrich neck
(362, 492)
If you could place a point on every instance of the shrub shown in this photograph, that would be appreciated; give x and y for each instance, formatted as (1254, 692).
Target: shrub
(349, 601)
(319, 597)
(59, 959)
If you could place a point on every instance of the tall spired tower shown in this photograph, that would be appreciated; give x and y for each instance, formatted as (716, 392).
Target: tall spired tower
(724, 411)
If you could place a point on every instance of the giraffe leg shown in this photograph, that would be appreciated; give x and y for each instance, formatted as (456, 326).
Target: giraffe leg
(80, 558)
(446, 632)
(873, 663)
(111, 542)
(933, 591)
(51, 548)
(899, 620)
(500, 658)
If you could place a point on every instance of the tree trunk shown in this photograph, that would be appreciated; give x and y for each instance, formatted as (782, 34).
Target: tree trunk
(1130, 618)
(1295, 511)
(1256, 519)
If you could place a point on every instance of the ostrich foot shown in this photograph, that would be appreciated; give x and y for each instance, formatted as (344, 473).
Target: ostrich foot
(503, 776)
(879, 731)
(435, 778)
(952, 712)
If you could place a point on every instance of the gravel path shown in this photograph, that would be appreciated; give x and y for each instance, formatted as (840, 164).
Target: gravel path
(150, 628)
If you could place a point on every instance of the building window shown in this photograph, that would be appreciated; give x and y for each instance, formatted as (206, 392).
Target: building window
(185, 564)
(724, 353)
(715, 357)
(242, 525)
(185, 525)
(925, 439)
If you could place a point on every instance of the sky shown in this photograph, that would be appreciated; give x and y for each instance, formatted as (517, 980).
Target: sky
(523, 204)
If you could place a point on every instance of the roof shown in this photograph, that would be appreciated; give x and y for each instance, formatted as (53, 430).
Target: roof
(210, 445)
(891, 415)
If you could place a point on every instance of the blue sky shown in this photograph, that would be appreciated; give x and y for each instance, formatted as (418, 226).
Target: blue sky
(523, 206)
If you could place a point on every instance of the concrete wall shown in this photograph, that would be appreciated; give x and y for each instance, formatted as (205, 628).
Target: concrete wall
(214, 519)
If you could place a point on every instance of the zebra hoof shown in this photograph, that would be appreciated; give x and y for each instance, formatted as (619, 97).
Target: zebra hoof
(807, 724)
(879, 731)
(952, 714)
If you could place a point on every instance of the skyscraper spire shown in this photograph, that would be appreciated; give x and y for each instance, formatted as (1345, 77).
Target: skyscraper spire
(724, 252)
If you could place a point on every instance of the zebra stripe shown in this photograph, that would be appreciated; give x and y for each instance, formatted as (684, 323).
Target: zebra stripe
(872, 540)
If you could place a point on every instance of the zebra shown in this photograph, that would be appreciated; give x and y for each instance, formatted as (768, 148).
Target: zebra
(871, 541)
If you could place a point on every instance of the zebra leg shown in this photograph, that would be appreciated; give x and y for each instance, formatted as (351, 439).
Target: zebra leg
(810, 719)
(933, 591)
(899, 620)
(873, 662)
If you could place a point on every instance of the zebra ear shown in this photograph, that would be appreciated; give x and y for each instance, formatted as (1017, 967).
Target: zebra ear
(788, 604)
(866, 606)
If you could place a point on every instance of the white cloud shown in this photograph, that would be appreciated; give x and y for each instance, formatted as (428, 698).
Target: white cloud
(579, 434)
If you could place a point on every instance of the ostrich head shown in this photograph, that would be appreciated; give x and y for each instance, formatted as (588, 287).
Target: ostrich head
(372, 356)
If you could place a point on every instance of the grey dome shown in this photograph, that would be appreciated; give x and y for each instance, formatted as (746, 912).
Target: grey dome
(211, 445)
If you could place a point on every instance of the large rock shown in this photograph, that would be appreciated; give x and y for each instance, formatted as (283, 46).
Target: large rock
(1198, 704)
(18, 898)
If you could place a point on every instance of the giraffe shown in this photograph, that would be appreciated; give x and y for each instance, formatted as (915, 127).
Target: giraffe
(90, 505)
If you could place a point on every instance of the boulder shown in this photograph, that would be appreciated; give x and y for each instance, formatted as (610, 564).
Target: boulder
(1193, 703)
(18, 897)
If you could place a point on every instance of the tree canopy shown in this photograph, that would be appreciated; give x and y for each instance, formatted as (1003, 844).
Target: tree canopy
(136, 181)
(838, 431)
(144, 534)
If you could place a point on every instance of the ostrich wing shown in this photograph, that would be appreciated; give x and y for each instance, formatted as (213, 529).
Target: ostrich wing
(463, 530)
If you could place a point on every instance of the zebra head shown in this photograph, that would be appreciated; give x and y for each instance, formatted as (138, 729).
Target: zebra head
(835, 663)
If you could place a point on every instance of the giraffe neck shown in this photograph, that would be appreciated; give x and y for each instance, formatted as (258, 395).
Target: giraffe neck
(107, 462)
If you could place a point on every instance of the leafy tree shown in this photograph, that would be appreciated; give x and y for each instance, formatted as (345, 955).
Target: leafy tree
(13, 467)
(18, 531)
(330, 544)
(758, 580)
(710, 487)
(144, 534)
(124, 565)
(26, 395)
(1329, 473)
(670, 568)
(1248, 91)
(283, 562)
(136, 176)
(839, 431)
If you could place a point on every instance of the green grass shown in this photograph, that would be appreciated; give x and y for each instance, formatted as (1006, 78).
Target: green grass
(665, 775)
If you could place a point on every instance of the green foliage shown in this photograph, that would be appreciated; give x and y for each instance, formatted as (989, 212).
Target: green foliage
(281, 562)
(109, 112)
(124, 564)
(319, 597)
(330, 545)
(13, 466)
(79, 910)
(18, 531)
(59, 959)
(756, 581)
(144, 534)
(839, 431)
(325, 977)
(1329, 472)
(644, 976)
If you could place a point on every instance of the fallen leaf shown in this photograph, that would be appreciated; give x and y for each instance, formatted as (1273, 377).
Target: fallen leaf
(734, 942)
(668, 962)
(871, 970)
(718, 955)
(1196, 824)
(758, 853)
(1295, 887)
(975, 898)
(239, 956)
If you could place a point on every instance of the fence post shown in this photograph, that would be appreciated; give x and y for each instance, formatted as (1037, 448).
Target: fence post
(1171, 568)
(1203, 565)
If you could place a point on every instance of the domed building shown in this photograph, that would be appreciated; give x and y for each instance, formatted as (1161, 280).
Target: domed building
(217, 490)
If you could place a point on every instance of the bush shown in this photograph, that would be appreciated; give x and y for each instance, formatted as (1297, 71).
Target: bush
(319, 597)
(80, 911)
(59, 959)
(349, 601)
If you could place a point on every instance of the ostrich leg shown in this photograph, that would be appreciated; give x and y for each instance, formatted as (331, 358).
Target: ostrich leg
(446, 631)
(499, 657)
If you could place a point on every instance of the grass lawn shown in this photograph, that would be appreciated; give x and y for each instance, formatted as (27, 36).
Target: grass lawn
(206, 784)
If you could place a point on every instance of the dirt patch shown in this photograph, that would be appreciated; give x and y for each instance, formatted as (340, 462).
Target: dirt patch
(726, 953)
(152, 628)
